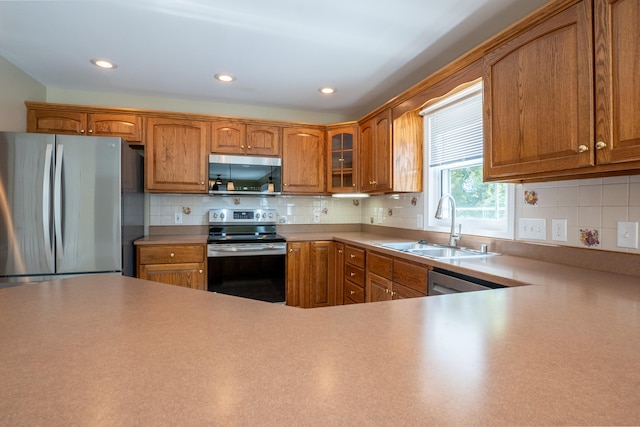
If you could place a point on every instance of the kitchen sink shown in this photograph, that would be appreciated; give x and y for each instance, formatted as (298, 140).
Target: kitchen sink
(432, 250)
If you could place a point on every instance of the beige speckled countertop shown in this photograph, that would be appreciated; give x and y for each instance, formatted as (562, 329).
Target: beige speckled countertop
(110, 350)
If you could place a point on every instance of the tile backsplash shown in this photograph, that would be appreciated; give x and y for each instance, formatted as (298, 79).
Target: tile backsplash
(592, 209)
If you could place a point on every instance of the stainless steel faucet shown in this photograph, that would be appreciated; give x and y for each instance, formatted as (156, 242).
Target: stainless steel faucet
(453, 237)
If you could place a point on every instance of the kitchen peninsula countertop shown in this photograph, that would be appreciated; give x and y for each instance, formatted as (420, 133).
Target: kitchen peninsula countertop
(111, 350)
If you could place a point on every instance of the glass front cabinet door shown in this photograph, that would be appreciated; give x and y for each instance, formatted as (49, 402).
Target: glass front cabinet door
(342, 160)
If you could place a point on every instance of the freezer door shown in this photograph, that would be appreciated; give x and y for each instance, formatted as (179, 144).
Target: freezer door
(26, 166)
(87, 204)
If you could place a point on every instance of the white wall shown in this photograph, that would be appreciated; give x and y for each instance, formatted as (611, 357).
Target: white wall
(16, 86)
(143, 102)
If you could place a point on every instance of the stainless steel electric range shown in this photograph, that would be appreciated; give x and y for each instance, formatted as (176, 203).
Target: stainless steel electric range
(246, 257)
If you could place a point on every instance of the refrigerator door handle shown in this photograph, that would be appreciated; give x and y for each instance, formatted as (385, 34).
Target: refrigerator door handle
(46, 203)
(57, 201)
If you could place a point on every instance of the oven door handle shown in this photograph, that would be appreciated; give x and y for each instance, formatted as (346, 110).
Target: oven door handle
(244, 249)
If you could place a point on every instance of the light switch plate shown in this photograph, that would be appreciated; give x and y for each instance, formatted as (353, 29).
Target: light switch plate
(627, 235)
(532, 229)
(177, 218)
(559, 230)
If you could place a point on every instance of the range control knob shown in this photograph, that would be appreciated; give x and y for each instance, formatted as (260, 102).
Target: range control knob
(270, 214)
(221, 215)
(215, 215)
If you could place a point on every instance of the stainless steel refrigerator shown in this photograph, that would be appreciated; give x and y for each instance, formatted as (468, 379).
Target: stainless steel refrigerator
(69, 205)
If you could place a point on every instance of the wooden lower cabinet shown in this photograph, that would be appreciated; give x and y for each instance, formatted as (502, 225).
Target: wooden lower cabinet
(390, 278)
(311, 274)
(180, 265)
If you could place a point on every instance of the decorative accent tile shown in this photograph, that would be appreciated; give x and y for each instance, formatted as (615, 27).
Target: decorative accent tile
(589, 238)
(530, 197)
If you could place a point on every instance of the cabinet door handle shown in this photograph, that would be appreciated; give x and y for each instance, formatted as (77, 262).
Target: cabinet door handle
(81, 130)
(90, 130)
(290, 250)
(582, 148)
(172, 255)
(339, 251)
(248, 147)
(200, 271)
(600, 145)
(242, 146)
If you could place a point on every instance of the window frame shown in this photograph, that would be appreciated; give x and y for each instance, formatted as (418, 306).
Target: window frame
(433, 178)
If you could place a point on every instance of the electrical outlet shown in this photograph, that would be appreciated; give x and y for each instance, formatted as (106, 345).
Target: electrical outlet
(627, 235)
(559, 230)
(177, 218)
(316, 217)
(533, 229)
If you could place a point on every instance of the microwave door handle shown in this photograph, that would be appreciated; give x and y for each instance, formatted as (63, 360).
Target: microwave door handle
(57, 202)
(46, 203)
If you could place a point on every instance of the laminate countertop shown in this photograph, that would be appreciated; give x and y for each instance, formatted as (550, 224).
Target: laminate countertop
(112, 350)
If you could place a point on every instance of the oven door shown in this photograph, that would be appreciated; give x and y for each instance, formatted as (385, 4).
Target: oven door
(248, 270)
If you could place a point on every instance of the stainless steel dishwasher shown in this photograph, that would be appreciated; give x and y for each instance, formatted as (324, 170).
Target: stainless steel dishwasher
(446, 282)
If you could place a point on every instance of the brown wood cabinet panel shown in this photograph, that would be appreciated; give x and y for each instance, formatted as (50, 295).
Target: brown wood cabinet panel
(380, 265)
(375, 153)
(170, 254)
(336, 266)
(188, 275)
(403, 292)
(181, 265)
(322, 289)
(228, 137)
(303, 165)
(125, 126)
(353, 294)
(617, 68)
(538, 98)
(263, 140)
(407, 152)
(176, 155)
(354, 256)
(57, 121)
(354, 274)
(410, 275)
(378, 288)
(297, 273)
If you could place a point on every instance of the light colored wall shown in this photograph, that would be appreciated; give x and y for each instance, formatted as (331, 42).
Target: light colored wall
(123, 100)
(16, 86)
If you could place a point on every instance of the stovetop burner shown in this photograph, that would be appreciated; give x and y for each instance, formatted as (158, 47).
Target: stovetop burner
(243, 226)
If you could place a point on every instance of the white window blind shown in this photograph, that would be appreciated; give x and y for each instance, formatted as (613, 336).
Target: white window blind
(455, 130)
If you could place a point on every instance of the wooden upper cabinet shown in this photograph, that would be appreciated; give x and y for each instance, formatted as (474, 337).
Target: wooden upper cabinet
(176, 155)
(617, 68)
(303, 165)
(375, 154)
(538, 98)
(407, 152)
(263, 140)
(70, 122)
(230, 137)
(342, 160)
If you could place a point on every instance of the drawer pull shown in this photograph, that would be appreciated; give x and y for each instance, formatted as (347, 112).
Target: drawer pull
(172, 255)
(352, 274)
(352, 256)
(352, 292)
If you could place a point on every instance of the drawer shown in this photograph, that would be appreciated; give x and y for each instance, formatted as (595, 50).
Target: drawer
(355, 274)
(353, 292)
(171, 254)
(410, 275)
(379, 264)
(354, 256)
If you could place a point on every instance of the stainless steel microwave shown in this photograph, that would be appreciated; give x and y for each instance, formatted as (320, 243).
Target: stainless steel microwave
(245, 175)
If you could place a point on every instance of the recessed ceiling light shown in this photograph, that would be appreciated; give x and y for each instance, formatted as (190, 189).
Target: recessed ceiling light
(327, 90)
(224, 77)
(103, 63)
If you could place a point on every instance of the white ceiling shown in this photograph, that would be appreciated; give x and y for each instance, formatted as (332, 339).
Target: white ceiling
(281, 51)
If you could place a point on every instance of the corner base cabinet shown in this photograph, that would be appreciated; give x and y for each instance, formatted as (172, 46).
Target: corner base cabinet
(311, 272)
